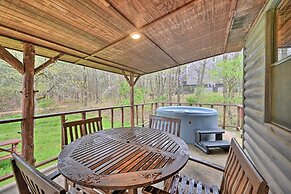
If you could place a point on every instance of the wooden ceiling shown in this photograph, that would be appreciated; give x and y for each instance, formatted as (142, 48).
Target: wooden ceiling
(96, 33)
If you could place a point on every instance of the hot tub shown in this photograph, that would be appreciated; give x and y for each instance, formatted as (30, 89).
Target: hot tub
(192, 118)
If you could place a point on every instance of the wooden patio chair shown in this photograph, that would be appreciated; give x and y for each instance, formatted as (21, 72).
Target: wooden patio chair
(76, 129)
(166, 124)
(240, 176)
(30, 181)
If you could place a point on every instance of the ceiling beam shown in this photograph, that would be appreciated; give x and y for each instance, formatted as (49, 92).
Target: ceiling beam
(158, 46)
(47, 63)
(62, 47)
(230, 19)
(11, 60)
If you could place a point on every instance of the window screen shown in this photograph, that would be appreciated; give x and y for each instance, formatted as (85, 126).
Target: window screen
(284, 30)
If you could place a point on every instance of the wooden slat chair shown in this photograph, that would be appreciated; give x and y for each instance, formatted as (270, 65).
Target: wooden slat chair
(166, 124)
(30, 180)
(76, 129)
(240, 176)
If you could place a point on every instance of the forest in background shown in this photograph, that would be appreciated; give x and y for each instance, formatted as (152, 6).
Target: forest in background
(63, 86)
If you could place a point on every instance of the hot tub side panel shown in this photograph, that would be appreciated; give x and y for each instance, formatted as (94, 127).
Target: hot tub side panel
(190, 123)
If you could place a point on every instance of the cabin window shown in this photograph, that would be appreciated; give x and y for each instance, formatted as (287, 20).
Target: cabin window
(283, 29)
(281, 68)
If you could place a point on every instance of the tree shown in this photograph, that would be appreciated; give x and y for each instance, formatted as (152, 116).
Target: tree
(231, 72)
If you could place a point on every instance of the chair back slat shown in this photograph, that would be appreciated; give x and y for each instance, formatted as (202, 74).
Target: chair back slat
(166, 124)
(76, 129)
(29, 180)
(240, 175)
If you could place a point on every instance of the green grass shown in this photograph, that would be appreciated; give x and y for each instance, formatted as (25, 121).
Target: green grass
(47, 137)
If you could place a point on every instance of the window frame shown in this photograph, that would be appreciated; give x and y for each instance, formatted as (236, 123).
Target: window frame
(271, 61)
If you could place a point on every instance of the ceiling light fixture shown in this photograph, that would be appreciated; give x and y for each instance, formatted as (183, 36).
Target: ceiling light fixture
(135, 35)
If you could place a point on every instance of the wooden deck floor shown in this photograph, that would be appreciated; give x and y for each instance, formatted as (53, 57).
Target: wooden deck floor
(199, 172)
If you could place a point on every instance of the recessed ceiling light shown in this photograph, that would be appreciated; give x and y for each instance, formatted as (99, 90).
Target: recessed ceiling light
(135, 35)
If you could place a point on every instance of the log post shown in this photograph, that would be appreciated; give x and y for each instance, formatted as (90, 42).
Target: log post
(131, 102)
(27, 128)
(131, 81)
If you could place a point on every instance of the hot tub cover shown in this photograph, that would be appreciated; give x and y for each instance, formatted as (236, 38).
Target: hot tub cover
(201, 111)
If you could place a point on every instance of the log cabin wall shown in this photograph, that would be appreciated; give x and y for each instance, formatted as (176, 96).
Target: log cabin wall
(268, 146)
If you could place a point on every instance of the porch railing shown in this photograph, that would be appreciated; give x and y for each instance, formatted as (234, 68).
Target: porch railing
(230, 115)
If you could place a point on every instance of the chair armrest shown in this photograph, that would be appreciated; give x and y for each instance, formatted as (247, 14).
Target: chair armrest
(54, 175)
(206, 163)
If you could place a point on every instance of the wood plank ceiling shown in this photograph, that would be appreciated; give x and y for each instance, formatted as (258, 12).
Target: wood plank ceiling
(96, 33)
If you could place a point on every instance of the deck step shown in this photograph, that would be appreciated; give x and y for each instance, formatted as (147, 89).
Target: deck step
(205, 146)
(213, 144)
(211, 131)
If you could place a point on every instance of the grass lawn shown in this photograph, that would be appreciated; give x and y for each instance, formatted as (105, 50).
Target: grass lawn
(47, 137)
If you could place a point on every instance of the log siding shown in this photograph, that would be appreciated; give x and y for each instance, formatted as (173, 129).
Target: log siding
(268, 146)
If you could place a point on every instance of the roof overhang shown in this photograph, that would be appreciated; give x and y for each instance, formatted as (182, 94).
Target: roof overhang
(97, 33)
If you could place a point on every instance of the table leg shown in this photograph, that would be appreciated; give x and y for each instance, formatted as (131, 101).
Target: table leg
(132, 191)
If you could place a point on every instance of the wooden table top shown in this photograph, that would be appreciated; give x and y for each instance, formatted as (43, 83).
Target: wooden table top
(123, 158)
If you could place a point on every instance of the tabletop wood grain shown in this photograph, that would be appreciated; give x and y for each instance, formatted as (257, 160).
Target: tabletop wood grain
(123, 158)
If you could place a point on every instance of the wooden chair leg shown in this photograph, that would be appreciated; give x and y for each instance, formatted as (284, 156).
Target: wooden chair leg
(66, 185)
(168, 183)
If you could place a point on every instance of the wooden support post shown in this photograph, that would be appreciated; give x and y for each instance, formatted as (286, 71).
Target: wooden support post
(131, 81)
(131, 105)
(27, 129)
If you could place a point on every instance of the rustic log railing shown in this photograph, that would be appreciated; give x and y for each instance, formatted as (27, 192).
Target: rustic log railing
(142, 112)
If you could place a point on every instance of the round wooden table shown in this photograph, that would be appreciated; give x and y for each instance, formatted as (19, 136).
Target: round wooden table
(123, 158)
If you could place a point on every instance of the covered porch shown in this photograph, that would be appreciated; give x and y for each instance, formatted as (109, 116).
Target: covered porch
(138, 38)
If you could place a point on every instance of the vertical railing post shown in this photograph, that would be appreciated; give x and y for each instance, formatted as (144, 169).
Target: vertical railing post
(122, 116)
(156, 106)
(136, 113)
(224, 116)
(112, 118)
(83, 115)
(142, 114)
(152, 108)
(83, 126)
(63, 120)
(238, 118)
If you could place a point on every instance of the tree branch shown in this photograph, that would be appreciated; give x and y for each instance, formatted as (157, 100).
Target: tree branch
(45, 94)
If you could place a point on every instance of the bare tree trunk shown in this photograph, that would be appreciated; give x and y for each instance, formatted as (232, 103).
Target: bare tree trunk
(85, 88)
(178, 85)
